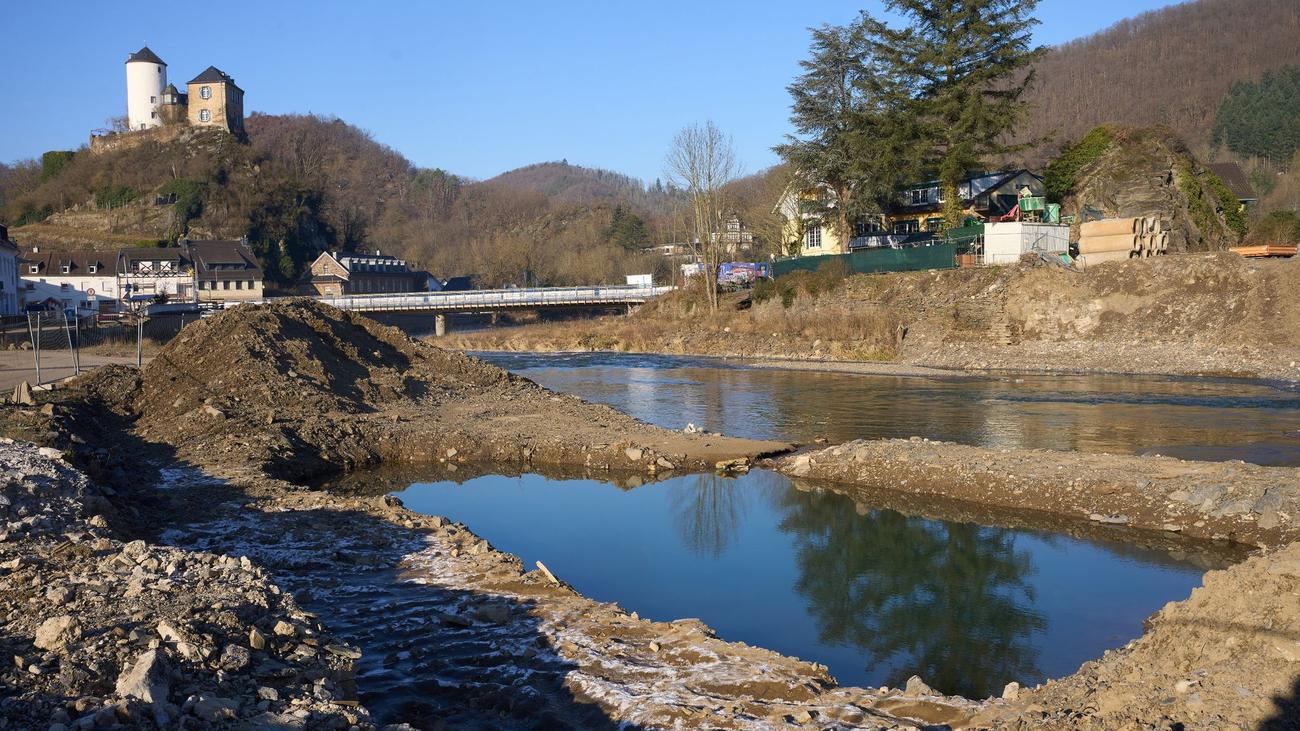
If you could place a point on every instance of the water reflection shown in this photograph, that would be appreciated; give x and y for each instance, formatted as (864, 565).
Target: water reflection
(951, 602)
(875, 585)
(1190, 418)
(708, 513)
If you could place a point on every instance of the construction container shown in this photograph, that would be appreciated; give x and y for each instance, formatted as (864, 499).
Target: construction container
(1005, 243)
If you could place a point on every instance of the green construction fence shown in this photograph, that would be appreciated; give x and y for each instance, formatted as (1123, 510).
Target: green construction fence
(875, 261)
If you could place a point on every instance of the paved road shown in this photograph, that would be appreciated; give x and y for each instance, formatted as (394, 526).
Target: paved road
(17, 366)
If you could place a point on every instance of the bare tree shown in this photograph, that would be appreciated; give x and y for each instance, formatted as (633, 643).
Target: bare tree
(702, 162)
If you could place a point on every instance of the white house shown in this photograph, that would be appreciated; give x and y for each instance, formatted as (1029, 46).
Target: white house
(11, 302)
(154, 272)
(82, 280)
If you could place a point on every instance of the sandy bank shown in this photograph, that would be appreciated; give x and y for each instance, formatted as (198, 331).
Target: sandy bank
(1226, 501)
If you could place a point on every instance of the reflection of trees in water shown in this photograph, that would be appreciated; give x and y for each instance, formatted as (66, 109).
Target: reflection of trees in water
(707, 511)
(949, 602)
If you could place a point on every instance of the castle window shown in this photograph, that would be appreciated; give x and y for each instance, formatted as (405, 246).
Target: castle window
(205, 115)
(153, 99)
(205, 92)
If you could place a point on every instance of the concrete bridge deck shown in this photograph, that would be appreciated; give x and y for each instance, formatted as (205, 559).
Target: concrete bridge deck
(495, 300)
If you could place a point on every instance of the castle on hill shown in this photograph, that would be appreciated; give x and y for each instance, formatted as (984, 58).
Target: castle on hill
(210, 99)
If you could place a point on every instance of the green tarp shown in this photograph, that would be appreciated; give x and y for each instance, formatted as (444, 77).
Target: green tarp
(875, 261)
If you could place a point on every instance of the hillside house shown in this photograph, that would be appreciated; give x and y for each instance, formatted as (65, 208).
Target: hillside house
(1235, 179)
(82, 280)
(916, 211)
(334, 274)
(11, 301)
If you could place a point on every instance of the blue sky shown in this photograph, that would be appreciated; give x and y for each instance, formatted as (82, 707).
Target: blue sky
(475, 88)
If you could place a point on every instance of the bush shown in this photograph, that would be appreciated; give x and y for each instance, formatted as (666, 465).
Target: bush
(115, 196)
(1063, 172)
(189, 201)
(1233, 214)
(53, 162)
(1278, 227)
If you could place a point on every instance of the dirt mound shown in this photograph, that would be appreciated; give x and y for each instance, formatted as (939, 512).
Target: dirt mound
(1150, 172)
(299, 356)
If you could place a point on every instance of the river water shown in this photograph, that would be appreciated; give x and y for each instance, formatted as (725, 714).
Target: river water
(860, 582)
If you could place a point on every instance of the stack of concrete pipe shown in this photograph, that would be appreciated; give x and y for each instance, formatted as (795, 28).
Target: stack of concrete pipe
(1113, 239)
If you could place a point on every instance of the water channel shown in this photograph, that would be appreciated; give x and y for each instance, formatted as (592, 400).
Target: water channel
(861, 582)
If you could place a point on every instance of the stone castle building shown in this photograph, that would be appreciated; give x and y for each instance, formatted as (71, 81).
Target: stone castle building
(210, 99)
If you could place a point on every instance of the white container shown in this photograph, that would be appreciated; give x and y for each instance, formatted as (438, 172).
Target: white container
(641, 280)
(1004, 243)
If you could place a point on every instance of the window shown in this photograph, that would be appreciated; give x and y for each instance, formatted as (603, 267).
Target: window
(66, 268)
(34, 269)
(153, 100)
(239, 284)
(205, 92)
(812, 238)
(93, 268)
(205, 115)
(225, 284)
(906, 227)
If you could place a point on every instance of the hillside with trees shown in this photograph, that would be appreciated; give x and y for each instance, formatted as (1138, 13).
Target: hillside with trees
(1171, 67)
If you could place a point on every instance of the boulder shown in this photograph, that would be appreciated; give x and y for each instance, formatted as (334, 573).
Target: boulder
(146, 679)
(55, 633)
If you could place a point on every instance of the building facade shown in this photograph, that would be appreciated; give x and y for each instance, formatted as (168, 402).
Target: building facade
(334, 274)
(155, 274)
(158, 111)
(224, 271)
(917, 210)
(81, 280)
(11, 296)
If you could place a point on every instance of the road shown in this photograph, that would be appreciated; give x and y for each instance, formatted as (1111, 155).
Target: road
(17, 366)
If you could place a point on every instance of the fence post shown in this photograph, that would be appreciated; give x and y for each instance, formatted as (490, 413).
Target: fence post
(139, 340)
(34, 334)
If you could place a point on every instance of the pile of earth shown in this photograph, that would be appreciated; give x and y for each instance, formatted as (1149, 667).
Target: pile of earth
(297, 389)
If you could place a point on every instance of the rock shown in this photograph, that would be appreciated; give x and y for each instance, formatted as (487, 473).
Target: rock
(146, 679)
(1234, 507)
(55, 633)
(1011, 691)
(547, 573)
(634, 453)
(1289, 651)
(50, 453)
(216, 709)
(740, 464)
(283, 629)
(256, 639)
(350, 653)
(1183, 686)
(664, 463)
(493, 613)
(916, 686)
(212, 411)
(268, 694)
(1285, 567)
(23, 394)
(1269, 502)
(1203, 496)
(235, 657)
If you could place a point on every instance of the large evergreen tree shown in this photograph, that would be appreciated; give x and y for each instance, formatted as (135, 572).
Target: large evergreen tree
(967, 64)
(845, 111)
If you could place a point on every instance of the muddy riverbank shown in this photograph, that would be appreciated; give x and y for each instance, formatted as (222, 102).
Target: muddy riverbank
(203, 453)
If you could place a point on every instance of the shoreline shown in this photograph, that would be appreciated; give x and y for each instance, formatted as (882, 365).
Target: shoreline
(921, 369)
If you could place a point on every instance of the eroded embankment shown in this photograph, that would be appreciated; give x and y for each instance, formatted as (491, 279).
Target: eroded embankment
(1227, 657)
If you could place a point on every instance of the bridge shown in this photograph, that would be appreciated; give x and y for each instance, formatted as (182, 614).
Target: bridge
(486, 301)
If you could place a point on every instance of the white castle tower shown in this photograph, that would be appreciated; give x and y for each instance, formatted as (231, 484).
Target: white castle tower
(146, 75)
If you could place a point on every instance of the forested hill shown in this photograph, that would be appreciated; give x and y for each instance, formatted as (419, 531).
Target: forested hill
(302, 184)
(1171, 66)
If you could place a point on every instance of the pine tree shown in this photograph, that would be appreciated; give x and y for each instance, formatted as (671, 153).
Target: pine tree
(1262, 119)
(967, 64)
(846, 114)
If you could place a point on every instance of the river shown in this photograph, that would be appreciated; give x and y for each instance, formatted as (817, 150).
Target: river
(862, 583)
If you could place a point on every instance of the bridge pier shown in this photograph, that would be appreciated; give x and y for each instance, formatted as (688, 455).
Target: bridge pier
(439, 326)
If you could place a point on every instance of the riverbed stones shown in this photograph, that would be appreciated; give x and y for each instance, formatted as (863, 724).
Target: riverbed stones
(256, 639)
(55, 633)
(146, 678)
(634, 453)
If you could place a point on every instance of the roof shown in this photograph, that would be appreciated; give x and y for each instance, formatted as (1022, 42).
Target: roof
(78, 261)
(170, 89)
(1235, 178)
(144, 55)
(214, 75)
(222, 259)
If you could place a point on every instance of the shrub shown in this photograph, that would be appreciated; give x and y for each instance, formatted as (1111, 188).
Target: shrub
(1278, 227)
(115, 196)
(53, 162)
(1063, 173)
(189, 201)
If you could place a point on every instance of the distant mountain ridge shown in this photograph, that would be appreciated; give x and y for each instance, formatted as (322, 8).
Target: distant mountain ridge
(571, 183)
(1169, 67)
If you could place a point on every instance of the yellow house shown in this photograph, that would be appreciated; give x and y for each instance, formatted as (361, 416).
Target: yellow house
(917, 209)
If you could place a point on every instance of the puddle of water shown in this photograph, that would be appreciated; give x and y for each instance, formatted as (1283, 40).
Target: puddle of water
(1207, 419)
(874, 594)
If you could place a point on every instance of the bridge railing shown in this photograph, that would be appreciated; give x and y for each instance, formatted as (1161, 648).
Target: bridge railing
(498, 298)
